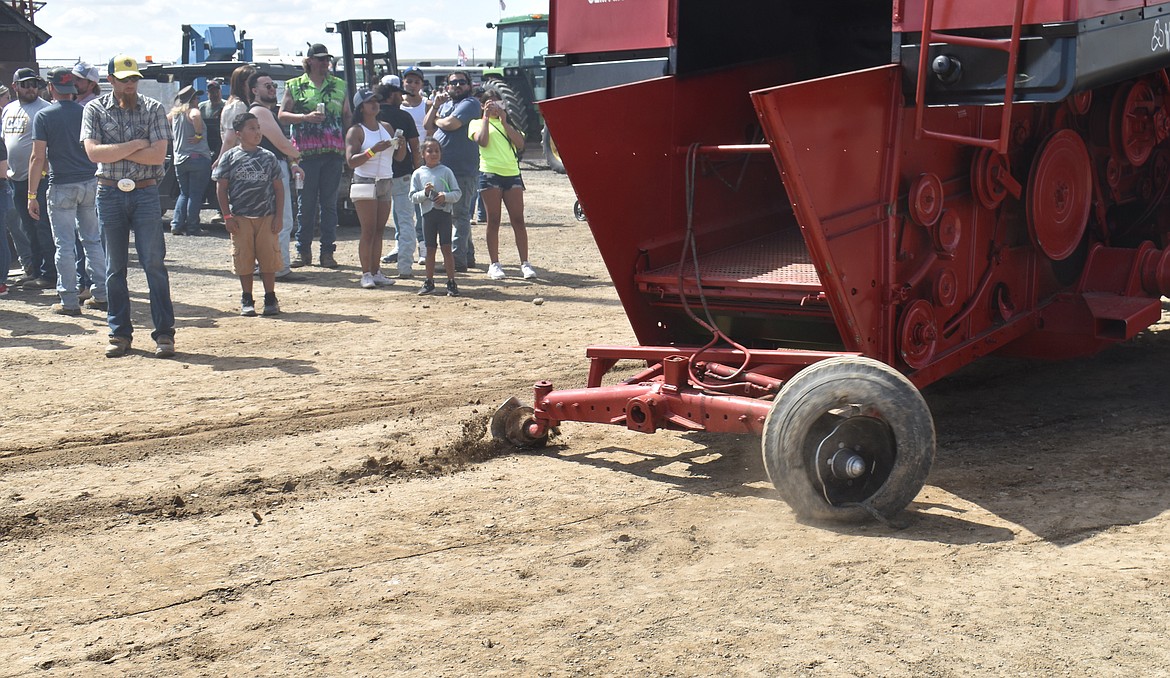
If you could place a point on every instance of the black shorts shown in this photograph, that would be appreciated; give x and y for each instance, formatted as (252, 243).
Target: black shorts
(436, 228)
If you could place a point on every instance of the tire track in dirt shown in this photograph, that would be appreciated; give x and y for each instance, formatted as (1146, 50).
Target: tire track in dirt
(234, 592)
(83, 513)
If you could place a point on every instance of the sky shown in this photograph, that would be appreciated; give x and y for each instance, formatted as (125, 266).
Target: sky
(96, 30)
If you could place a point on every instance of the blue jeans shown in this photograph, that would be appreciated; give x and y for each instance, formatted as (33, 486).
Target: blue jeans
(462, 248)
(193, 175)
(403, 210)
(5, 204)
(286, 227)
(73, 215)
(318, 203)
(418, 233)
(138, 212)
(37, 231)
(480, 210)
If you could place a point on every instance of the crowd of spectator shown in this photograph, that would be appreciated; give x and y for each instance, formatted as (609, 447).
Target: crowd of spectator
(80, 173)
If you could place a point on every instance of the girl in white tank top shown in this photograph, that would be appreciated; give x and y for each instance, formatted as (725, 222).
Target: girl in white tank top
(379, 166)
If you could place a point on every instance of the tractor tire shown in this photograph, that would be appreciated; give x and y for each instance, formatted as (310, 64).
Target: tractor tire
(515, 104)
(848, 440)
(550, 152)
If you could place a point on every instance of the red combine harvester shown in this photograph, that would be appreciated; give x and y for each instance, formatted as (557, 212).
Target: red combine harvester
(809, 216)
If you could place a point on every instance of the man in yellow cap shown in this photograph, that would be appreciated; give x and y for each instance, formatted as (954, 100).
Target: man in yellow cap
(127, 134)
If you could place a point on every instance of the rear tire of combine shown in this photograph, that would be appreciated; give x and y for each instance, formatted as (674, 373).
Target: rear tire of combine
(516, 106)
(848, 440)
(550, 152)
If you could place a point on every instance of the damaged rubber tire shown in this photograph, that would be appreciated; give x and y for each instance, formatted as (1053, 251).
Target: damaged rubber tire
(848, 440)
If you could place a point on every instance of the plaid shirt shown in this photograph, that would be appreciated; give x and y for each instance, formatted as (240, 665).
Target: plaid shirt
(107, 123)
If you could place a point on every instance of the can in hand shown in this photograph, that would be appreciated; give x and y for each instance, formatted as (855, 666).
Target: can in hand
(300, 182)
(321, 108)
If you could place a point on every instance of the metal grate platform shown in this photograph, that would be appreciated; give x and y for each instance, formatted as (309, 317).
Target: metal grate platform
(773, 262)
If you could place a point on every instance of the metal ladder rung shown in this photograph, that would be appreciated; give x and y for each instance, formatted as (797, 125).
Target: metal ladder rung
(1002, 44)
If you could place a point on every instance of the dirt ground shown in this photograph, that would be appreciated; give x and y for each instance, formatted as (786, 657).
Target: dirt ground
(311, 495)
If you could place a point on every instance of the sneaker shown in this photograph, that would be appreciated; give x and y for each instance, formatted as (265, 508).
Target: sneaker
(29, 274)
(391, 258)
(3, 290)
(327, 260)
(496, 272)
(368, 281)
(117, 347)
(62, 309)
(164, 347)
(422, 261)
(452, 289)
(527, 271)
(271, 305)
(177, 231)
(247, 306)
(380, 279)
(39, 284)
(301, 260)
(97, 304)
(84, 294)
(428, 286)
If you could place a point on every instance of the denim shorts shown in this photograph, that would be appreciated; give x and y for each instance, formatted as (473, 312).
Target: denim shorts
(382, 188)
(488, 180)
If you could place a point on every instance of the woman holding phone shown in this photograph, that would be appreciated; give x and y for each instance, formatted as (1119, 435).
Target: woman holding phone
(500, 145)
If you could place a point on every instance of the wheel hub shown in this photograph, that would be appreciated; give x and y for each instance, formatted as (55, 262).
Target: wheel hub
(847, 464)
(855, 459)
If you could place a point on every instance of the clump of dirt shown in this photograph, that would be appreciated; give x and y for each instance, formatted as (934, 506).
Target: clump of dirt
(472, 446)
(384, 466)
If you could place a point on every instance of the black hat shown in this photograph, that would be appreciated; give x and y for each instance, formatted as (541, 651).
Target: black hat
(214, 82)
(23, 74)
(188, 93)
(317, 50)
(63, 80)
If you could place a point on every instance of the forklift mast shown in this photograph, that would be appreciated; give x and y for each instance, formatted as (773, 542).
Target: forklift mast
(368, 50)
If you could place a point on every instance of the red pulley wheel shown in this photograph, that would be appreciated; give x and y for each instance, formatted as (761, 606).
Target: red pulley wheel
(918, 335)
(926, 199)
(1060, 192)
(948, 233)
(1132, 127)
(988, 170)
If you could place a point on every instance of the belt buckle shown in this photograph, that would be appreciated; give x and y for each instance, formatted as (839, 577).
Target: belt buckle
(126, 185)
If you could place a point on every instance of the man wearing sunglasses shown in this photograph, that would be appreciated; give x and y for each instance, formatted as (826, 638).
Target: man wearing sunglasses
(316, 106)
(264, 108)
(127, 134)
(16, 121)
(447, 120)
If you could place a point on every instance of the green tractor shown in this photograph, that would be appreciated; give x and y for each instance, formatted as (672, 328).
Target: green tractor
(519, 74)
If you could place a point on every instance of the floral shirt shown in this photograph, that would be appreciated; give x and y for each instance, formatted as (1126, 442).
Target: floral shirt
(317, 138)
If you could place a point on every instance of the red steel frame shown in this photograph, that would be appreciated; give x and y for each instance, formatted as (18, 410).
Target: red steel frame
(848, 157)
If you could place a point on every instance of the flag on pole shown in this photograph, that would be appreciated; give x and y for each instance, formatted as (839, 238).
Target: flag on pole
(503, 6)
(462, 56)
